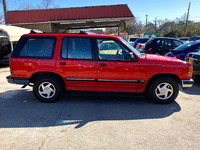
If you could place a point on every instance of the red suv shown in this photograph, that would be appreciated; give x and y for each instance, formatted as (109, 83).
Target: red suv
(52, 62)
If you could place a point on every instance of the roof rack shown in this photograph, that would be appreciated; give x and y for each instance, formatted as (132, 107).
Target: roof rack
(36, 31)
(83, 32)
(86, 32)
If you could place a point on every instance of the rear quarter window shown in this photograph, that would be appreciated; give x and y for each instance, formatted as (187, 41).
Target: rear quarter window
(35, 47)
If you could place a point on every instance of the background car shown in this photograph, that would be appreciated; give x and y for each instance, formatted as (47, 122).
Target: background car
(194, 58)
(161, 45)
(140, 47)
(139, 40)
(181, 51)
(130, 40)
(193, 38)
(184, 39)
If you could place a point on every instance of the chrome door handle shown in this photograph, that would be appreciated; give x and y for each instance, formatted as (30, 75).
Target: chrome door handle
(62, 63)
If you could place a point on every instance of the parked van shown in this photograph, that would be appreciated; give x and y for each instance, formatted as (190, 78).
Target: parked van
(9, 36)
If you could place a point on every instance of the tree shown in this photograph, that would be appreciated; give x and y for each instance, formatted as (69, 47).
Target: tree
(150, 27)
(27, 6)
(48, 3)
(112, 30)
(1, 19)
(135, 27)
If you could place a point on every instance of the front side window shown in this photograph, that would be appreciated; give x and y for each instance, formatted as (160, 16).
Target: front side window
(38, 48)
(177, 43)
(111, 50)
(76, 48)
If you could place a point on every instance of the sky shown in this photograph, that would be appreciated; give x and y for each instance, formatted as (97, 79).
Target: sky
(170, 9)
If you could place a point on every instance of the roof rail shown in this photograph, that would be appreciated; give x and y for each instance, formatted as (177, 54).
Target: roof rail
(83, 32)
(86, 32)
(36, 31)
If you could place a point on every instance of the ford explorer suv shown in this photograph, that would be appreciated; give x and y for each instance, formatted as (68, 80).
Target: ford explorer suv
(53, 62)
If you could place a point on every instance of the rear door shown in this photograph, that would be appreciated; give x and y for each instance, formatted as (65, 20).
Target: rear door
(166, 45)
(77, 65)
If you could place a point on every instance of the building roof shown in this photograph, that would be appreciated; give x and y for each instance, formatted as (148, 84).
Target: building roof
(64, 14)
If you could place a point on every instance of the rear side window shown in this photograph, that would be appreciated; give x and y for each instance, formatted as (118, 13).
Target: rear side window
(35, 47)
(166, 42)
(76, 48)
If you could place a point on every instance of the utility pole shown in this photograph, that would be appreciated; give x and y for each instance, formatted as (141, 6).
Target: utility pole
(146, 22)
(5, 9)
(155, 23)
(187, 18)
(146, 19)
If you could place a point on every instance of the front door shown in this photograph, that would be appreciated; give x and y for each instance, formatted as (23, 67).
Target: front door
(115, 73)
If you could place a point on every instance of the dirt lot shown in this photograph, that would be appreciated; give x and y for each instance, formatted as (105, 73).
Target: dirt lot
(97, 120)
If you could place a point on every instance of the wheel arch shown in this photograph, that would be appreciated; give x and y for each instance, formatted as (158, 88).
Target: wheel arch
(41, 74)
(173, 76)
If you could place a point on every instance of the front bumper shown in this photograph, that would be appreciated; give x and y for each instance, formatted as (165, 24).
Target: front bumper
(187, 83)
(4, 61)
(17, 80)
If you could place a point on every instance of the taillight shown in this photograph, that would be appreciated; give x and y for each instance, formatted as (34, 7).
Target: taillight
(137, 45)
(186, 58)
(190, 71)
(177, 56)
(11, 66)
(140, 46)
(149, 49)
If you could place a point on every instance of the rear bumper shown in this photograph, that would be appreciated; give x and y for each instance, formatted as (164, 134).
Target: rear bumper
(187, 83)
(16, 80)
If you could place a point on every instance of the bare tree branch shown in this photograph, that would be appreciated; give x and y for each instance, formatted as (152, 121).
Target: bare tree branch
(26, 7)
(48, 3)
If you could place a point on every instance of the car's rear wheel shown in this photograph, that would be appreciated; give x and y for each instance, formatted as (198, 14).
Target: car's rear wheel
(47, 89)
(163, 90)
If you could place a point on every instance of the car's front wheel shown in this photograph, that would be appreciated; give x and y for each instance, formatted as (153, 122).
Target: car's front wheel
(163, 90)
(47, 89)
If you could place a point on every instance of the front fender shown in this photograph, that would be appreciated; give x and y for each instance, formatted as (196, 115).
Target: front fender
(149, 71)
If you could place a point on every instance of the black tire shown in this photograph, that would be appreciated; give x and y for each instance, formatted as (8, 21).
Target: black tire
(47, 89)
(163, 90)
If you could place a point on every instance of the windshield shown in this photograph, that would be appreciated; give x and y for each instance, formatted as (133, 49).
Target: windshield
(133, 39)
(182, 47)
(144, 40)
(131, 47)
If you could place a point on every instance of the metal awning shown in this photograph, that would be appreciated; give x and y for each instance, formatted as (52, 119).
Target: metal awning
(92, 23)
(13, 33)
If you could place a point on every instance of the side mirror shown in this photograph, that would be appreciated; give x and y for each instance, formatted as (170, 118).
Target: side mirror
(129, 56)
